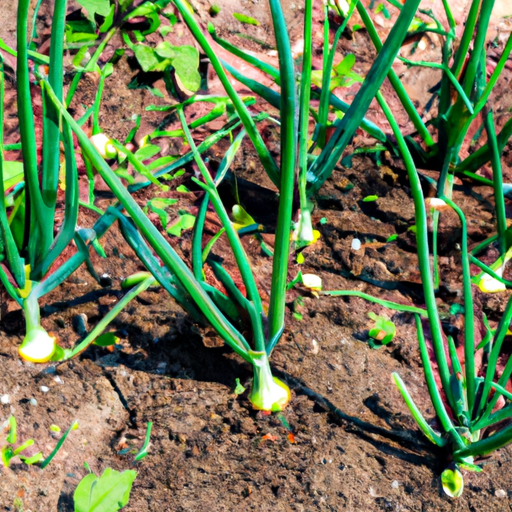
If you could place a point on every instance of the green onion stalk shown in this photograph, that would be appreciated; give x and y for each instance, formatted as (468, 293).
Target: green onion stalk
(228, 315)
(29, 246)
(468, 407)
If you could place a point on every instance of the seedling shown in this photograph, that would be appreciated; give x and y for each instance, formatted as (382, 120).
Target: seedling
(107, 493)
(383, 332)
(8, 451)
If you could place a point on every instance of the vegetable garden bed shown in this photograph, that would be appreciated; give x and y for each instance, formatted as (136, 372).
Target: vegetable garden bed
(346, 440)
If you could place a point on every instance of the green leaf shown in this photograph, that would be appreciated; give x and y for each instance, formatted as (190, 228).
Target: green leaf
(6, 454)
(38, 457)
(186, 221)
(469, 467)
(370, 199)
(13, 174)
(107, 339)
(167, 29)
(245, 19)
(394, 236)
(146, 57)
(298, 278)
(107, 493)
(158, 205)
(241, 217)
(346, 65)
(148, 151)
(383, 332)
(145, 447)
(382, 8)
(109, 19)
(183, 189)
(185, 61)
(101, 7)
(12, 435)
(452, 482)
(59, 354)
(239, 389)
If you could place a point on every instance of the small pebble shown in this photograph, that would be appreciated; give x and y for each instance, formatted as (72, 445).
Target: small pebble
(500, 493)
(5, 399)
(80, 324)
(105, 280)
(315, 348)
(58, 380)
(395, 484)
(44, 389)
(356, 244)
(33, 402)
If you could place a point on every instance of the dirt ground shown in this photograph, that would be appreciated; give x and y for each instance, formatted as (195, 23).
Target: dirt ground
(347, 440)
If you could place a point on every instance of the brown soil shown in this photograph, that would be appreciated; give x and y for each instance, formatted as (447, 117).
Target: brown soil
(345, 442)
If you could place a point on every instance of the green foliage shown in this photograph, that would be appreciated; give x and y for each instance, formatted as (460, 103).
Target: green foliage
(145, 447)
(101, 7)
(106, 340)
(183, 59)
(341, 74)
(8, 451)
(383, 332)
(185, 221)
(107, 493)
(239, 389)
(159, 206)
(245, 19)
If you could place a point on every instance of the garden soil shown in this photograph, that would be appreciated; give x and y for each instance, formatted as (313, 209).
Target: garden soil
(347, 440)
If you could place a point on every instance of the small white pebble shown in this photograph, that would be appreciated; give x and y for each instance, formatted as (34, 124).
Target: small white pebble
(33, 402)
(356, 244)
(314, 348)
(44, 389)
(500, 493)
(395, 484)
(58, 380)
(5, 399)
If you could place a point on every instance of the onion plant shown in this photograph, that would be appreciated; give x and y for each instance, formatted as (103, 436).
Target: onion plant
(467, 383)
(31, 244)
(470, 399)
(466, 379)
(319, 155)
(235, 315)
